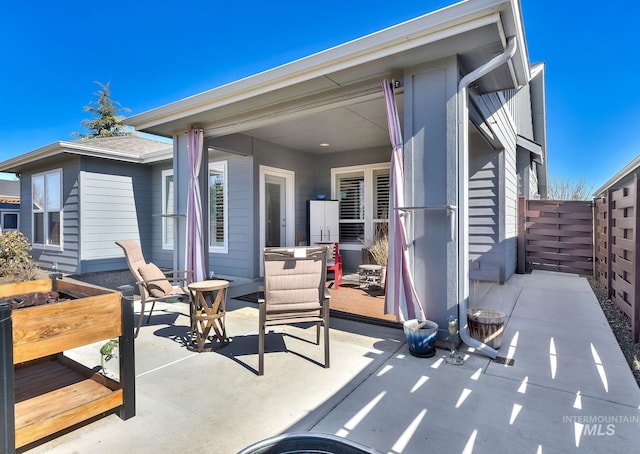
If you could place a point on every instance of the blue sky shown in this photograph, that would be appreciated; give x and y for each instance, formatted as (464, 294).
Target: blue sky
(53, 52)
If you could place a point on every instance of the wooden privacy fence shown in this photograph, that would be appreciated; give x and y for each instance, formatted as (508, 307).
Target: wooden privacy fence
(617, 226)
(555, 235)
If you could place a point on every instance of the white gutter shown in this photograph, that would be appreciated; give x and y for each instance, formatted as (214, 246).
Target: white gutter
(463, 194)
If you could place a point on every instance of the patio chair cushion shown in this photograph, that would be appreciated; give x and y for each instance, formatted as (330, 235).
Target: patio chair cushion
(160, 285)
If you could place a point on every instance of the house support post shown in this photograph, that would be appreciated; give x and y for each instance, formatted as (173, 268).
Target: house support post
(430, 180)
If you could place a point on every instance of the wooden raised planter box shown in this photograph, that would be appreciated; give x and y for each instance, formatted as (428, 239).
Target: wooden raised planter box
(44, 391)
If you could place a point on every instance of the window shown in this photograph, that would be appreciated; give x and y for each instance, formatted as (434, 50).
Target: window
(380, 202)
(218, 222)
(46, 196)
(217, 207)
(363, 192)
(167, 209)
(350, 188)
(9, 221)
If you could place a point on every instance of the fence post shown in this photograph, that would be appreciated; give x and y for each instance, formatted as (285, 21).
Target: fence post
(635, 308)
(7, 397)
(522, 242)
(594, 239)
(609, 240)
(127, 355)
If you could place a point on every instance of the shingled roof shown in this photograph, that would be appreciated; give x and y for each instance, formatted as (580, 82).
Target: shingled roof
(129, 144)
(131, 148)
(9, 188)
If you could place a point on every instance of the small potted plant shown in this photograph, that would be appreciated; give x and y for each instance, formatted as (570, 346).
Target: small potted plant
(108, 352)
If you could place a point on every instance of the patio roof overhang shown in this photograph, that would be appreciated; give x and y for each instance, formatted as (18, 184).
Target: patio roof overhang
(339, 89)
(532, 147)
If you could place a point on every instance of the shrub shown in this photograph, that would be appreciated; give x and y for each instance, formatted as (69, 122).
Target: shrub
(379, 250)
(15, 261)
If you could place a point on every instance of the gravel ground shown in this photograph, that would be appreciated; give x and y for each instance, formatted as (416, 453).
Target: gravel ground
(621, 326)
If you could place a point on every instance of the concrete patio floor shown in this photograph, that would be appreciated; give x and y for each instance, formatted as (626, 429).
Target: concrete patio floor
(568, 390)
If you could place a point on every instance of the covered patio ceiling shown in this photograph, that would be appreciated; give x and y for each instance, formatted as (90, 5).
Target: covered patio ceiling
(335, 97)
(358, 126)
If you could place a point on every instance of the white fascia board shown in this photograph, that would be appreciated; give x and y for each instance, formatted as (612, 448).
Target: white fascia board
(514, 26)
(157, 156)
(27, 158)
(83, 150)
(450, 21)
(537, 85)
(61, 147)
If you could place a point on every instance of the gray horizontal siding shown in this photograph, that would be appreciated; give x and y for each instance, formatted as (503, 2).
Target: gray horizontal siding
(114, 205)
(484, 211)
(510, 236)
(242, 248)
(498, 117)
(109, 214)
(503, 112)
(519, 105)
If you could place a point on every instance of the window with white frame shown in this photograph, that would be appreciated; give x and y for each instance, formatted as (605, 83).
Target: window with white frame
(363, 192)
(168, 222)
(46, 197)
(380, 202)
(218, 212)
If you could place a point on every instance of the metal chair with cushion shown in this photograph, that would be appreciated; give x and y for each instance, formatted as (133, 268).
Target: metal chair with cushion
(153, 283)
(294, 292)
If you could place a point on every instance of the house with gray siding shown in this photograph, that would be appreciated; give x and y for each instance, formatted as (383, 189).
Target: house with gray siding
(79, 197)
(472, 113)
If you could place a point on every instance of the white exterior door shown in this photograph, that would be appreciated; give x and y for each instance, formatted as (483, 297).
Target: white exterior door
(277, 212)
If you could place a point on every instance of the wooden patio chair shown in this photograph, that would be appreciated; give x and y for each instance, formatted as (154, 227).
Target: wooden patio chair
(153, 283)
(294, 292)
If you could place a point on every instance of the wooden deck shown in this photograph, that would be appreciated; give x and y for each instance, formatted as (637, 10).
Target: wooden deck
(352, 299)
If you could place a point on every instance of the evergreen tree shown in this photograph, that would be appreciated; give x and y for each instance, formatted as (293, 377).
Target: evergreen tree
(107, 123)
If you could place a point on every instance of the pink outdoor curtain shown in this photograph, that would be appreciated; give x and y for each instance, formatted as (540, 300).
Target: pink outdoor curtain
(400, 297)
(195, 239)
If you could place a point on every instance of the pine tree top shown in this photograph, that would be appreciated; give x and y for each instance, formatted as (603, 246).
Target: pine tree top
(107, 121)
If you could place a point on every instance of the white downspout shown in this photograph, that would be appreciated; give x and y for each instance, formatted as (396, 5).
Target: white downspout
(463, 194)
